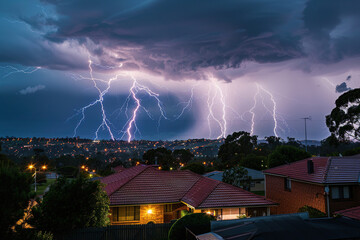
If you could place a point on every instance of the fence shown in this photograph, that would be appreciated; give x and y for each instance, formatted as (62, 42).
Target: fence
(121, 232)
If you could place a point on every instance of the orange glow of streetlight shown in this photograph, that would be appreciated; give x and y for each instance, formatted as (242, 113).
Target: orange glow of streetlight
(44, 167)
(83, 167)
(31, 166)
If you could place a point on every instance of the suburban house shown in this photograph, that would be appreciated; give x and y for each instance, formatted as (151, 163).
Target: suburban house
(144, 194)
(329, 184)
(257, 178)
(297, 226)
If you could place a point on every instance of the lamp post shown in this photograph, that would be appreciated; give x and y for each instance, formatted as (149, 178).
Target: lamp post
(33, 167)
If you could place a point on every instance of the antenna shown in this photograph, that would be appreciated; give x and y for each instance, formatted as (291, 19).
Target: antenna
(306, 118)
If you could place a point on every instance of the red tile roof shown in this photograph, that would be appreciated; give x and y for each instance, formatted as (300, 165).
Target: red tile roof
(226, 195)
(326, 170)
(343, 170)
(353, 213)
(148, 185)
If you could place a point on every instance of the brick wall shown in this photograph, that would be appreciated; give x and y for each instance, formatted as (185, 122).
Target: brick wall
(290, 201)
(156, 216)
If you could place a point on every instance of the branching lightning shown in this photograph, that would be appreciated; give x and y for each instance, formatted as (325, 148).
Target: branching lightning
(215, 92)
(13, 70)
(273, 110)
(130, 128)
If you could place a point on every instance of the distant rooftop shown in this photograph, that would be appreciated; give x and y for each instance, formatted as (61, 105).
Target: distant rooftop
(217, 175)
(327, 170)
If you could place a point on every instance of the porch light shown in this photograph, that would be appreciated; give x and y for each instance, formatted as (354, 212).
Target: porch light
(208, 212)
(149, 211)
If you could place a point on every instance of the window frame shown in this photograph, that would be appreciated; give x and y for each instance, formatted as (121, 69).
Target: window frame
(341, 192)
(287, 184)
(132, 214)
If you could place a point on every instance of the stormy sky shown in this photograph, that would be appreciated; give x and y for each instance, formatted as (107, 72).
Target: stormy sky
(188, 69)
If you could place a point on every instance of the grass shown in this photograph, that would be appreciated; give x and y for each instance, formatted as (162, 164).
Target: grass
(41, 188)
(261, 193)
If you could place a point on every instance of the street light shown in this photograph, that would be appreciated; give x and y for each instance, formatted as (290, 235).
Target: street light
(31, 166)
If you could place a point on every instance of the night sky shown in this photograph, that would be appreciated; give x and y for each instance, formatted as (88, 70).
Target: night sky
(188, 69)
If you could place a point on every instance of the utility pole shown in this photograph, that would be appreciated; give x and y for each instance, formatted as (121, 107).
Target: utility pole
(306, 118)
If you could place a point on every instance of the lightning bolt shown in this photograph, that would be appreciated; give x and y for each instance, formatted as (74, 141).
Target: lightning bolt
(214, 91)
(252, 110)
(14, 70)
(130, 128)
(273, 111)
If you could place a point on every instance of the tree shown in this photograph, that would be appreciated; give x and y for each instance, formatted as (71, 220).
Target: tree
(162, 156)
(286, 154)
(15, 188)
(183, 155)
(273, 141)
(237, 176)
(195, 167)
(254, 162)
(236, 146)
(344, 120)
(72, 204)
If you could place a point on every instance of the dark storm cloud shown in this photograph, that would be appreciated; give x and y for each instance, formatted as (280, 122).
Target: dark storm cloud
(332, 29)
(342, 88)
(177, 38)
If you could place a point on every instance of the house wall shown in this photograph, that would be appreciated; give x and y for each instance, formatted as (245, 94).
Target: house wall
(290, 201)
(157, 214)
(258, 185)
(354, 201)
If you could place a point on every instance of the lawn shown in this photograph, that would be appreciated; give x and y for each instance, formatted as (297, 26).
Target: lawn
(41, 188)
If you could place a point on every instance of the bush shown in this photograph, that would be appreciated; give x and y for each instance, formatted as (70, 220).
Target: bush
(68, 171)
(71, 204)
(313, 212)
(195, 167)
(198, 223)
(14, 196)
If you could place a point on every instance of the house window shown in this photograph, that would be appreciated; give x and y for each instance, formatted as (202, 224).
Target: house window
(287, 184)
(340, 192)
(120, 214)
(168, 208)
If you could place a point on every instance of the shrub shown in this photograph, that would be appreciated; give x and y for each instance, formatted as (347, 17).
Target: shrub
(195, 167)
(71, 204)
(14, 196)
(313, 212)
(198, 223)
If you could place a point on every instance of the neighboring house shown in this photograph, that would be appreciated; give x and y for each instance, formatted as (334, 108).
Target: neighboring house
(296, 226)
(144, 194)
(257, 178)
(328, 184)
(353, 213)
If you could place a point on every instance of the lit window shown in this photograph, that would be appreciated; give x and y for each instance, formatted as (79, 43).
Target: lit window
(126, 214)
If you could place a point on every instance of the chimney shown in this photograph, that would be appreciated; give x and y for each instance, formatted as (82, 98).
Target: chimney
(310, 166)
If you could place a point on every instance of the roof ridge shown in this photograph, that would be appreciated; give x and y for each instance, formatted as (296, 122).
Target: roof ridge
(206, 197)
(145, 167)
(328, 163)
(287, 164)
